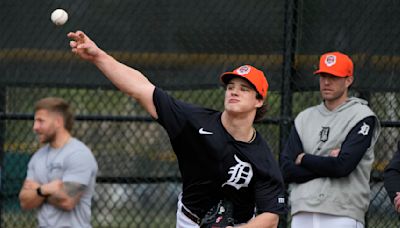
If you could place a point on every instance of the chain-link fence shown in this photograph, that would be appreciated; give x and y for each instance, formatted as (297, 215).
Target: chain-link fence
(183, 46)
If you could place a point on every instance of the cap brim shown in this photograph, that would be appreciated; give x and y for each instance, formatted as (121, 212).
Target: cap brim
(334, 73)
(227, 76)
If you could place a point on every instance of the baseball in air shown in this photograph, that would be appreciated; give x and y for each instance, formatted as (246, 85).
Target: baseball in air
(59, 17)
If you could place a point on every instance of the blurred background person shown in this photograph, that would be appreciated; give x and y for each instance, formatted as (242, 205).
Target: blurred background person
(61, 175)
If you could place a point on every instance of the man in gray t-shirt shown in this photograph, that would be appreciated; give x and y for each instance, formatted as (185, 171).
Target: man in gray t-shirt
(62, 174)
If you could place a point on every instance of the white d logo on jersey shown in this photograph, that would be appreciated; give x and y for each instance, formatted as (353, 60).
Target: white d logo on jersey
(241, 174)
(364, 129)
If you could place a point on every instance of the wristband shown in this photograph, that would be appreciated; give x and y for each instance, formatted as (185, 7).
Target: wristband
(40, 193)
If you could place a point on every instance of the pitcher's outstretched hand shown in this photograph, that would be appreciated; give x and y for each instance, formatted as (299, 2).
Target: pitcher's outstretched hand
(83, 46)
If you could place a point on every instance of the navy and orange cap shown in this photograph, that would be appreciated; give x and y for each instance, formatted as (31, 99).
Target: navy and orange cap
(251, 74)
(335, 63)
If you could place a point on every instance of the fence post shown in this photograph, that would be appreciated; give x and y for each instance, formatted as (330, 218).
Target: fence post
(2, 136)
(291, 7)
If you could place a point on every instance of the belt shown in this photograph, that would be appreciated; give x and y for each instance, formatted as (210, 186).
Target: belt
(191, 216)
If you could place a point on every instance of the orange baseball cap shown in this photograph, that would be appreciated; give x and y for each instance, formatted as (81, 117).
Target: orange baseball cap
(253, 75)
(335, 63)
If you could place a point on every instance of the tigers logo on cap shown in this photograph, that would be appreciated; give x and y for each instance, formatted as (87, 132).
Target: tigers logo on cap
(243, 70)
(330, 60)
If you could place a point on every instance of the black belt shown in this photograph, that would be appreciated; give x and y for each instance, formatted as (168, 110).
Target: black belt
(191, 216)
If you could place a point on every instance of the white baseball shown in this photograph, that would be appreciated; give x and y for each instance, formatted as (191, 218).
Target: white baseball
(59, 17)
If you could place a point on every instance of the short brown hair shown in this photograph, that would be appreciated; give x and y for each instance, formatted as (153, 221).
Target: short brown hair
(58, 105)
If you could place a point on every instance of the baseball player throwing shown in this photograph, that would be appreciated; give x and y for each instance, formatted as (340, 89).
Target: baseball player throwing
(220, 154)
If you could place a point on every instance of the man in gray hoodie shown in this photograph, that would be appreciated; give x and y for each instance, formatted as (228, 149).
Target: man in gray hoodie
(329, 153)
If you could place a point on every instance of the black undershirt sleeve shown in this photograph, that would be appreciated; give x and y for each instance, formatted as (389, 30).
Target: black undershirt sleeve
(392, 175)
(290, 171)
(351, 152)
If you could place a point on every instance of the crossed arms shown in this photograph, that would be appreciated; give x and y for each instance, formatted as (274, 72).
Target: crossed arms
(63, 195)
(300, 167)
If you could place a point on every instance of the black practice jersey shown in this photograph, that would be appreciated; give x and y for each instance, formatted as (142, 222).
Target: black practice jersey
(214, 165)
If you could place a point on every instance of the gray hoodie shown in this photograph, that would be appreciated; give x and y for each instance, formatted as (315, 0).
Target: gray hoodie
(345, 196)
